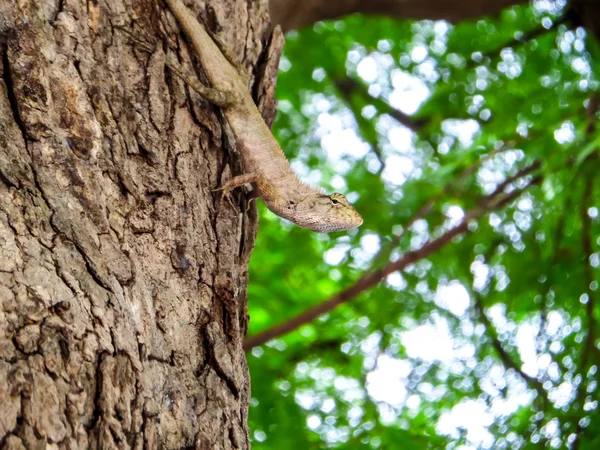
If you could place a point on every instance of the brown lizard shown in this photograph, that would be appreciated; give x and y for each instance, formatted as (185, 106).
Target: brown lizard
(266, 167)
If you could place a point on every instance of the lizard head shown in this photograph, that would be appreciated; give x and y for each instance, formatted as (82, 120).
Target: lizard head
(326, 213)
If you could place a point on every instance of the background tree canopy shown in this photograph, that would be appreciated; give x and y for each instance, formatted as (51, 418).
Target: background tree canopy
(464, 311)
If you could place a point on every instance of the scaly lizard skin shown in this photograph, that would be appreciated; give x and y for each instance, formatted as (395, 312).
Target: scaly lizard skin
(266, 167)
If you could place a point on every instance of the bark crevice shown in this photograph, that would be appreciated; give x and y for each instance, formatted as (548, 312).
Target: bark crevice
(10, 93)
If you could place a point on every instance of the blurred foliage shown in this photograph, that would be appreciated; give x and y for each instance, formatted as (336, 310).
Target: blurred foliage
(489, 342)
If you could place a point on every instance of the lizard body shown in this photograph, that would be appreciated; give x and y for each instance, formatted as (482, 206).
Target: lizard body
(265, 164)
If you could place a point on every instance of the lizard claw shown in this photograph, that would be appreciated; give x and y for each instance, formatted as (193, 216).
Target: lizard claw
(226, 194)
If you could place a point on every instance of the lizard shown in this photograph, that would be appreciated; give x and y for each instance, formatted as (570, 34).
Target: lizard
(265, 165)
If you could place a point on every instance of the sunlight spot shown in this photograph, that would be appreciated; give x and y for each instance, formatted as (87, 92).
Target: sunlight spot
(313, 422)
(369, 246)
(470, 415)
(363, 322)
(401, 138)
(525, 204)
(322, 104)
(549, 6)
(397, 169)
(384, 45)
(336, 255)
(413, 402)
(387, 383)
(367, 69)
(463, 130)
(453, 297)
(419, 53)
(371, 343)
(338, 183)
(409, 92)
(554, 322)
(581, 66)
(306, 399)
(547, 23)
(260, 436)
(562, 395)
(454, 213)
(427, 71)
(497, 314)
(369, 111)
(551, 428)
(318, 74)
(350, 390)
(510, 65)
(344, 142)
(481, 275)
(374, 90)
(526, 345)
(354, 56)
(429, 342)
(355, 415)
(396, 281)
(284, 64)
(566, 133)
(485, 114)
(328, 405)
(441, 27)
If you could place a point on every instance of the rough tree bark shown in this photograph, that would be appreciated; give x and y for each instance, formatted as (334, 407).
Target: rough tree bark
(122, 277)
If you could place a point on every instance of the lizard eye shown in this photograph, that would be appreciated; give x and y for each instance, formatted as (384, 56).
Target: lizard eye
(338, 199)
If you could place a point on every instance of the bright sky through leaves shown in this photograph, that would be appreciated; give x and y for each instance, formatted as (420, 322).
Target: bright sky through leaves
(491, 340)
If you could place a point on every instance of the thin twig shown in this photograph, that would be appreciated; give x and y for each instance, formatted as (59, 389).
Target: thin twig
(349, 86)
(517, 41)
(520, 174)
(423, 211)
(532, 382)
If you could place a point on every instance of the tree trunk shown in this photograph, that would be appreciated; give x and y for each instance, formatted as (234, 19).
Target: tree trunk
(122, 276)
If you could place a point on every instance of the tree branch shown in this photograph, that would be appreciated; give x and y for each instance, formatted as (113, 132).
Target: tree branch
(370, 279)
(588, 346)
(450, 187)
(292, 15)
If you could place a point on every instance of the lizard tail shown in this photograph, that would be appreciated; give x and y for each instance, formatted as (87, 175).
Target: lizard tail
(211, 57)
